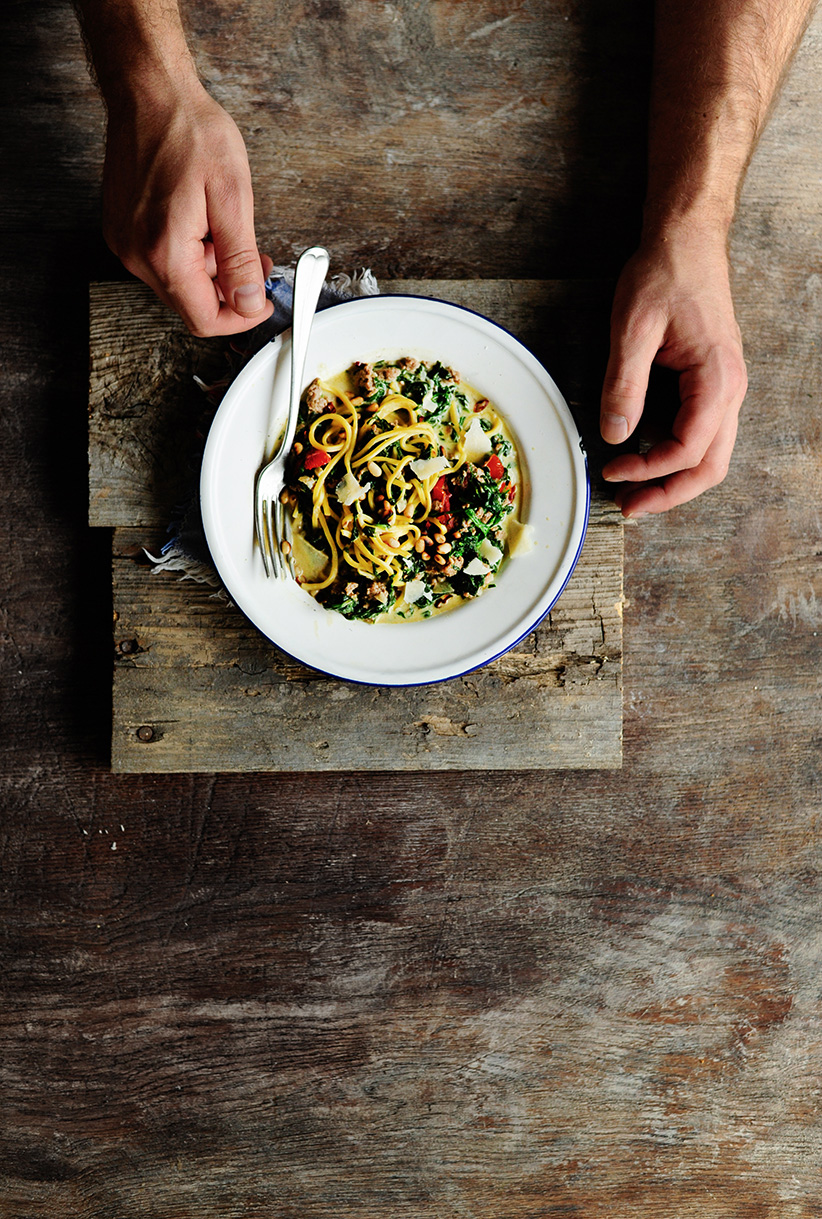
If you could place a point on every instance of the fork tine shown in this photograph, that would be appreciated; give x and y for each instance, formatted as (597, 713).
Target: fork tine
(272, 538)
(260, 525)
(280, 536)
(286, 533)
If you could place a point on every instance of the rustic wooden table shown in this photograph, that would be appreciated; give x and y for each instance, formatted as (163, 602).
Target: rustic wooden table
(197, 688)
(426, 993)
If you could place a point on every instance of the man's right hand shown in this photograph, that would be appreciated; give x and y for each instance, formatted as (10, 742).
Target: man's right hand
(178, 207)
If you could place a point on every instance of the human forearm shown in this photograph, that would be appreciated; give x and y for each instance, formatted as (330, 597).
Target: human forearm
(178, 207)
(717, 68)
(136, 47)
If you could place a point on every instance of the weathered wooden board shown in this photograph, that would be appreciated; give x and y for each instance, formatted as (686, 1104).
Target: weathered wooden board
(197, 688)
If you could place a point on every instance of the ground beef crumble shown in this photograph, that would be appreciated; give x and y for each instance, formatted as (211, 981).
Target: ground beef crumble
(364, 379)
(317, 403)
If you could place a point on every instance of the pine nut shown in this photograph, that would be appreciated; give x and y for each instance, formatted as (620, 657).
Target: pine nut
(285, 547)
(374, 469)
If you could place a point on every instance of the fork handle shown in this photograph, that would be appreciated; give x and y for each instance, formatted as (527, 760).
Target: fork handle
(309, 277)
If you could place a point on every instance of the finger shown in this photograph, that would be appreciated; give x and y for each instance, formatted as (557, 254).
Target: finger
(211, 261)
(638, 499)
(710, 391)
(196, 297)
(633, 348)
(206, 314)
(211, 266)
(239, 265)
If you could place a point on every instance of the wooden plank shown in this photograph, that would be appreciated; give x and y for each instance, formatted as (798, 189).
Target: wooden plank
(144, 405)
(196, 688)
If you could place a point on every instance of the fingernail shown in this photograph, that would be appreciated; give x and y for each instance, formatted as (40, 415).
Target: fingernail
(634, 516)
(613, 478)
(249, 298)
(614, 428)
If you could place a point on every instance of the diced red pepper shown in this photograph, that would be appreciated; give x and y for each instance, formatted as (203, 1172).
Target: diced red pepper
(315, 458)
(494, 466)
(441, 495)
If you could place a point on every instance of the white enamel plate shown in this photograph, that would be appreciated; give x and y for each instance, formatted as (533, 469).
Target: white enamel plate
(555, 492)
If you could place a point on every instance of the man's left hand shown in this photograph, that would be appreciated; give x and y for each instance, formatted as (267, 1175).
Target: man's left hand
(673, 308)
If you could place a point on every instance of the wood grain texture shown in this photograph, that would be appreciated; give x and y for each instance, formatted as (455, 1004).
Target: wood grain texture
(210, 694)
(512, 996)
(368, 125)
(144, 406)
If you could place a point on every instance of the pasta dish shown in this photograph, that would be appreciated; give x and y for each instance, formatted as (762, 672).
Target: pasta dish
(401, 482)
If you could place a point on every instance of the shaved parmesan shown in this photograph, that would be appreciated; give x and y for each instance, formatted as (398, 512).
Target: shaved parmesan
(415, 590)
(348, 490)
(310, 562)
(476, 568)
(491, 553)
(476, 442)
(521, 538)
(426, 467)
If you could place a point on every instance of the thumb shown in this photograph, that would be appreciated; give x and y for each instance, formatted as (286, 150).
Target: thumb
(239, 267)
(626, 381)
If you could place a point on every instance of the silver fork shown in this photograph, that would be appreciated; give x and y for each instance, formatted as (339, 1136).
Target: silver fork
(270, 518)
